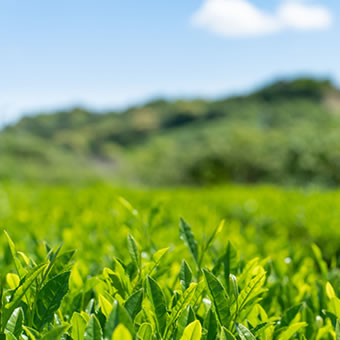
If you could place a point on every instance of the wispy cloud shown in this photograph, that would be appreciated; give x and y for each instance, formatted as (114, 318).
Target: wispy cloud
(237, 18)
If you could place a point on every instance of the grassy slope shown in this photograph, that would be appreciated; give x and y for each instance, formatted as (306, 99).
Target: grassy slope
(286, 132)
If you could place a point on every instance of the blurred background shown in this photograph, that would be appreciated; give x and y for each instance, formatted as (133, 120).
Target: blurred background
(162, 93)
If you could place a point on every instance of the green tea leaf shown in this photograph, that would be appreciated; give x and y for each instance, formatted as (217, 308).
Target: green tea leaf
(8, 336)
(319, 260)
(128, 206)
(188, 237)
(210, 324)
(244, 333)
(260, 328)
(234, 286)
(93, 330)
(134, 303)
(78, 323)
(31, 333)
(330, 291)
(185, 275)
(334, 306)
(12, 280)
(182, 303)
(193, 331)
(219, 297)
(49, 299)
(61, 263)
(253, 289)
(187, 316)
(19, 293)
(14, 324)
(289, 315)
(18, 266)
(53, 258)
(226, 334)
(55, 333)
(157, 300)
(116, 282)
(158, 255)
(291, 330)
(134, 252)
(216, 231)
(105, 305)
(121, 333)
(118, 315)
(145, 331)
(229, 263)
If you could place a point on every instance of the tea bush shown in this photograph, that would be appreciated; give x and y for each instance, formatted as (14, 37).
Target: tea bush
(257, 263)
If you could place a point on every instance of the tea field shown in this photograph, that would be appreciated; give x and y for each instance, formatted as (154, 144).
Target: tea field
(102, 262)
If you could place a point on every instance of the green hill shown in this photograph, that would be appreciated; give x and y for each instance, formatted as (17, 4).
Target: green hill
(287, 132)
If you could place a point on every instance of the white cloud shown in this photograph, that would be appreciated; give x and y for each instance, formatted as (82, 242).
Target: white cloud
(297, 15)
(233, 18)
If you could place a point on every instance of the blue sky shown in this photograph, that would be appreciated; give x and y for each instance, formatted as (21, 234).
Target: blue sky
(112, 53)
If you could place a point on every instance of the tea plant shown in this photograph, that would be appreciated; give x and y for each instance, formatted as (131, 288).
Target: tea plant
(212, 292)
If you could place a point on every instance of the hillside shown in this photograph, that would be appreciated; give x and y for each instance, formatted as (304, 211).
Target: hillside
(287, 132)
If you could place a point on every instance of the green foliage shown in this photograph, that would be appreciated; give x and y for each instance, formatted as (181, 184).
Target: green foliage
(188, 237)
(185, 275)
(14, 324)
(286, 133)
(93, 329)
(219, 298)
(193, 331)
(256, 280)
(49, 298)
(157, 300)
